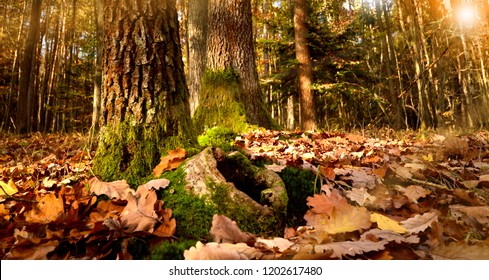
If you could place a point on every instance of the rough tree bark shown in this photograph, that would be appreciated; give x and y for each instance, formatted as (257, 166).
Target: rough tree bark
(230, 94)
(144, 101)
(197, 36)
(308, 115)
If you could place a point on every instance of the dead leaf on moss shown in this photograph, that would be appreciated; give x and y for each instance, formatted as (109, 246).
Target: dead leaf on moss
(275, 167)
(157, 184)
(139, 213)
(170, 162)
(225, 230)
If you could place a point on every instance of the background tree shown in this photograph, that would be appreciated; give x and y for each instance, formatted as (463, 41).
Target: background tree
(230, 94)
(307, 109)
(26, 94)
(145, 107)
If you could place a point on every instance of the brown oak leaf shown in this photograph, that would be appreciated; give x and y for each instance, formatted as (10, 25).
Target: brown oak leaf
(225, 230)
(114, 190)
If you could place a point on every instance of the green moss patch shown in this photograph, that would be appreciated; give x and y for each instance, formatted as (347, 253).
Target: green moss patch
(299, 184)
(220, 102)
(218, 136)
(131, 151)
(192, 213)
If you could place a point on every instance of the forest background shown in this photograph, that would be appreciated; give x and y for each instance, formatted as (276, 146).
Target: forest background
(399, 64)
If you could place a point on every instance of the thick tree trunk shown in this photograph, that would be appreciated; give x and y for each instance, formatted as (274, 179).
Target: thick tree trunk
(231, 94)
(24, 102)
(145, 107)
(197, 37)
(308, 115)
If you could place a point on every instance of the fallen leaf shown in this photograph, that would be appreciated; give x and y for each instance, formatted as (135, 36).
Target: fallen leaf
(461, 251)
(275, 167)
(360, 196)
(225, 230)
(34, 252)
(327, 172)
(157, 184)
(277, 245)
(386, 223)
(419, 223)
(389, 236)
(217, 251)
(347, 219)
(48, 209)
(350, 248)
(139, 213)
(116, 189)
(322, 203)
(8, 189)
(170, 162)
(479, 213)
(403, 172)
(414, 192)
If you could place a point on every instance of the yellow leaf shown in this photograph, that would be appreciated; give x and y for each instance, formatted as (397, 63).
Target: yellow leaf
(386, 223)
(428, 158)
(8, 189)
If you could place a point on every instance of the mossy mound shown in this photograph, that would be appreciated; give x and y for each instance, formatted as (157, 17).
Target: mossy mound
(131, 151)
(218, 136)
(192, 213)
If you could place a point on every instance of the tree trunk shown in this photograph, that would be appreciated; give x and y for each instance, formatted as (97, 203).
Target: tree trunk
(197, 37)
(97, 79)
(306, 96)
(24, 102)
(388, 61)
(230, 94)
(145, 107)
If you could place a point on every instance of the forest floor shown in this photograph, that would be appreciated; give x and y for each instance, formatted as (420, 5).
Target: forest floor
(389, 195)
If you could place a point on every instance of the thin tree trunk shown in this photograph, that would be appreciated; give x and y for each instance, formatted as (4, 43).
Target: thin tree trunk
(97, 80)
(308, 115)
(24, 102)
(387, 61)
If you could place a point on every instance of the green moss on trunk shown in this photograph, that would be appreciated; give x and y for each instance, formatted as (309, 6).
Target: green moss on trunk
(220, 102)
(131, 151)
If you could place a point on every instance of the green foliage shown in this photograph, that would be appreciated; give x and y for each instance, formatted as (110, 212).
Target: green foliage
(221, 137)
(299, 184)
(171, 250)
(192, 213)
